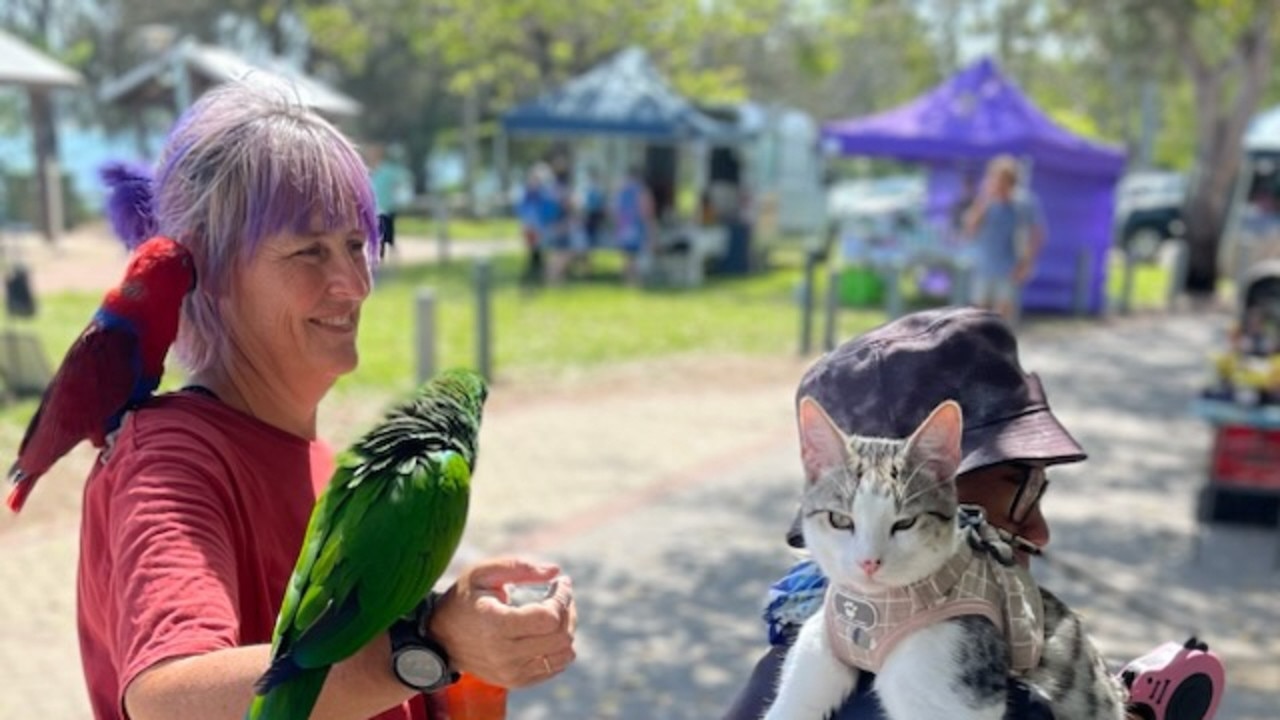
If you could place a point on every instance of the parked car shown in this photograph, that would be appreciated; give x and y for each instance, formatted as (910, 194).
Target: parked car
(1149, 212)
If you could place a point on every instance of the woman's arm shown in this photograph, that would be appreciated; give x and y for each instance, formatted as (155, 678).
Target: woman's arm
(219, 685)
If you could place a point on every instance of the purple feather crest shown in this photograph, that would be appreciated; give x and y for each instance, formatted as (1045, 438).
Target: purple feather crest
(131, 207)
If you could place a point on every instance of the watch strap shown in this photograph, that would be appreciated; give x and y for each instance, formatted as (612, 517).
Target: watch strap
(410, 631)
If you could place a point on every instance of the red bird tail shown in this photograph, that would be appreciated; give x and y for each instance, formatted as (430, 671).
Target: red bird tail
(18, 495)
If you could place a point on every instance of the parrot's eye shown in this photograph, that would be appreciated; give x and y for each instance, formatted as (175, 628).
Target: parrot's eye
(131, 290)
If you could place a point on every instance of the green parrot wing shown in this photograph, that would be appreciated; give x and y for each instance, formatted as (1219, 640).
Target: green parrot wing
(383, 531)
(379, 548)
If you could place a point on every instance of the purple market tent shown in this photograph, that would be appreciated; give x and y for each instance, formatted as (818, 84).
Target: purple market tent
(976, 114)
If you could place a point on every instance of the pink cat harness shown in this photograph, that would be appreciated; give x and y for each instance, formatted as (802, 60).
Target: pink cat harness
(863, 628)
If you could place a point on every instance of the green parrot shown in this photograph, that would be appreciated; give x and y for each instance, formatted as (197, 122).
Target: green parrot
(380, 536)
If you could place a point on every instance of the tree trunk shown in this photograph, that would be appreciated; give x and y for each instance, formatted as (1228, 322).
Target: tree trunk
(1220, 127)
(45, 139)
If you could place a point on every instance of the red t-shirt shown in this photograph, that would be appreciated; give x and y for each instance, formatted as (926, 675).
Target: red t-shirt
(191, 528)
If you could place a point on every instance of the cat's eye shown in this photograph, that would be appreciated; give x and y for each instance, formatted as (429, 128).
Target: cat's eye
(904, 524)
(839, 521)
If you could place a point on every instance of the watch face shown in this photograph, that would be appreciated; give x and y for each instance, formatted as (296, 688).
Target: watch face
(419, 668)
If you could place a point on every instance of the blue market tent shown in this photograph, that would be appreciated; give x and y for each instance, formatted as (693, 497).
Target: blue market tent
(978, 113)
(625, 96)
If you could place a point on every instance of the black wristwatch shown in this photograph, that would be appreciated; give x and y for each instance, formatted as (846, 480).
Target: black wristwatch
(417, 660)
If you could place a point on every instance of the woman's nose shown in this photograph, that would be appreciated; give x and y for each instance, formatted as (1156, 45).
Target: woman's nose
(350, 279)
(1034, 528)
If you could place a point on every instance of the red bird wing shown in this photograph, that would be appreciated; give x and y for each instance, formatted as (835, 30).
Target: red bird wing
(93, 384)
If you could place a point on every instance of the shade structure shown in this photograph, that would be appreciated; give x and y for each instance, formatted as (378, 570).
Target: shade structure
(979, 113)
(190, 67)
(626, 96)
(27, 67)
(21, 64)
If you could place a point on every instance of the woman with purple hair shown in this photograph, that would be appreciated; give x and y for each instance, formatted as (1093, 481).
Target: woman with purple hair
(197, 510)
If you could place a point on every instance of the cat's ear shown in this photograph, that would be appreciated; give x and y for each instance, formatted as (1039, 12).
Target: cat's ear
(822, 445)
(936, 443)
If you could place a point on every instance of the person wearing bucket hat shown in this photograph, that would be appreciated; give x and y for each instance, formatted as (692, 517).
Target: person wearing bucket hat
(883, 384)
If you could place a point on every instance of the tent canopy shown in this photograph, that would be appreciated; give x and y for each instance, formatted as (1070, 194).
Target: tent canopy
(209, 65)
(975, 114)
(624, 95)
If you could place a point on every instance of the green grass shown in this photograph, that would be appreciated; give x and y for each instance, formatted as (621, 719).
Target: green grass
(587, 323)
(1150, 285)
(502, 228)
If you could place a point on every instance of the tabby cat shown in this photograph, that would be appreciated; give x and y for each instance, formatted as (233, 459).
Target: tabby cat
(942, 621)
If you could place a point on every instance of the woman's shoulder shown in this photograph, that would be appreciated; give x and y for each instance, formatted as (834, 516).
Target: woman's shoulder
(186, 421)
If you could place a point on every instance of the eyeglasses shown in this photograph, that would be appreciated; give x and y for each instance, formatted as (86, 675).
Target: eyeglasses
(1030, 489)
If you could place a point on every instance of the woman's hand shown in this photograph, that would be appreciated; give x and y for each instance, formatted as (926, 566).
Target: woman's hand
(501, 644)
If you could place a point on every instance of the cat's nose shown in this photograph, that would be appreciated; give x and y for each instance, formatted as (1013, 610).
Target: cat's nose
(870, 566)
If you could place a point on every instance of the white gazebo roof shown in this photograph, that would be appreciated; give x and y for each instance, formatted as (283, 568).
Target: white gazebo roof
(219, 65)
(21, 64)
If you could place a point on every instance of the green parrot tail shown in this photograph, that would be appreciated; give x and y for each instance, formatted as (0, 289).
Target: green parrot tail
(290, 700)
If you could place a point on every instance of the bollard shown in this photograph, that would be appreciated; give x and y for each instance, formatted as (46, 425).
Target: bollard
(441, 208)
(1126, 287)
(425, 312)
(806, 302)
(1084, 280)
(893, 291)
(1178, 253)
(833, 306)
(484, 345)
(960, 279)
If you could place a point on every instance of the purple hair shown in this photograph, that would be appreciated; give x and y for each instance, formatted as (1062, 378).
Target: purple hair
(244, 163)
(131, 207)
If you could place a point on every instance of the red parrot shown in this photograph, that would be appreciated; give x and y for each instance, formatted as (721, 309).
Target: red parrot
(115, 364)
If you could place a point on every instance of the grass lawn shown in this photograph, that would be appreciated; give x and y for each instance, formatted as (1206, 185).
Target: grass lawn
(1150, 285)
(499, 228)
(589, 322)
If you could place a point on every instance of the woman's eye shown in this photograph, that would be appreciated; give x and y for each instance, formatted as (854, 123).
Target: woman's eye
(310, 251)
(904, 524)
(356, 246)
(839, 521)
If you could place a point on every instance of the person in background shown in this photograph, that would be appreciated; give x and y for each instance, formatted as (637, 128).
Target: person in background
(1008, 228)
(392, 185)
(556, 220)
(634, 224)
(882, 384)
(195, 513)
(529, 212)
(595, 215)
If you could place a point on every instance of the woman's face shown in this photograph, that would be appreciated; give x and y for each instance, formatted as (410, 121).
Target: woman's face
(995, 488)
(295, 305)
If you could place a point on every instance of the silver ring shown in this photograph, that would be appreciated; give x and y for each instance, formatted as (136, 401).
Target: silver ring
(546, 664)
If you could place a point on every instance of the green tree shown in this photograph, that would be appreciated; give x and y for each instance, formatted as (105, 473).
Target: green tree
(1226, 48)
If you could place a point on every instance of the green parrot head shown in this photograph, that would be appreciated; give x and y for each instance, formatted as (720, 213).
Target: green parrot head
(443, 416)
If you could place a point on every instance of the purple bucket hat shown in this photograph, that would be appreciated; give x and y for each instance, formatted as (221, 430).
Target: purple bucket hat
(885, 382)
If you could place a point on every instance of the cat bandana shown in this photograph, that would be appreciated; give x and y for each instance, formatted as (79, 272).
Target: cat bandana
(863, 628)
